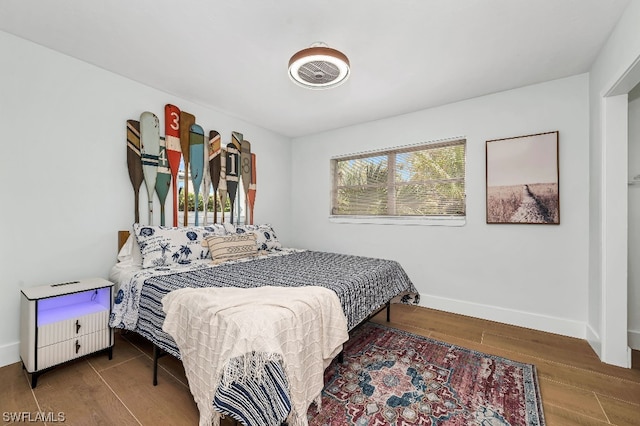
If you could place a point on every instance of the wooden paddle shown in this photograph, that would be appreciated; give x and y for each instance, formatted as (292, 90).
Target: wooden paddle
(196, 161)
(251, 195)
(214, 168)
(206, 183)
(186, 120)
(134, 163)
(163, 180)
(233, 165)
(150, 150)
(174, 153)
(222, 185)
(245, 161)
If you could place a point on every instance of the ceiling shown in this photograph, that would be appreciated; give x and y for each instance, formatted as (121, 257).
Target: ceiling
(406, 55)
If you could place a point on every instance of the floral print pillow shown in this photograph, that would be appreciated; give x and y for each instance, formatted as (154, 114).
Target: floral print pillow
(162, 246)
(265, 237)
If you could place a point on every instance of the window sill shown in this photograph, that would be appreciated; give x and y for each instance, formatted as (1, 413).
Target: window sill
(391, 220)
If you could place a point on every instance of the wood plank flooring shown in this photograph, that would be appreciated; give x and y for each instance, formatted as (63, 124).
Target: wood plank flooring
(577, 389)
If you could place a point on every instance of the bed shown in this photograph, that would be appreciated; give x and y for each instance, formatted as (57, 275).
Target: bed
(154, 263)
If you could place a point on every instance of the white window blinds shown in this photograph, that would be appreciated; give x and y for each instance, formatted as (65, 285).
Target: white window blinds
(419, 180)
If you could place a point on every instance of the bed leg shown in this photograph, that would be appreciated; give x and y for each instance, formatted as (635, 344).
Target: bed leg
(341, 356)
(156, 355)
(388, 311)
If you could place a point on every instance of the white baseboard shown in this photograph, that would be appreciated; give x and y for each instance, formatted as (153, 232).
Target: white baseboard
(9, 353)
(634, 339)
(534, 321)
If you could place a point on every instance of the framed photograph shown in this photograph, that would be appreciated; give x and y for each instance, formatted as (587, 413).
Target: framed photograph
(523, 180)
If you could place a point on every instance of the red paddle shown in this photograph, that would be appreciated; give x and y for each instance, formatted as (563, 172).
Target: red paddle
(174, 152)
(251, 195)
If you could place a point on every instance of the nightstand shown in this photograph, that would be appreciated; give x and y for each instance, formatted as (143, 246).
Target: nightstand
(61, 322)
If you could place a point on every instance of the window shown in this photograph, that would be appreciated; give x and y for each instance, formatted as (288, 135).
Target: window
(418, 181)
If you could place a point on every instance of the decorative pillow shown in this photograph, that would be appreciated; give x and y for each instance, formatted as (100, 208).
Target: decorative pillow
(229, 227)
(163, 246)
(125, 254)
(231, 247)
(265, 237)
(130, 252)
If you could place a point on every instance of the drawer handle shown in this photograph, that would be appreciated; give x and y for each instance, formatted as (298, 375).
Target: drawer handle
(77, 346)
(78, 326)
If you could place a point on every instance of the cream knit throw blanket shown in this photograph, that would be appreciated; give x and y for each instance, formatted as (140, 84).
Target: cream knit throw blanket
(303, 327)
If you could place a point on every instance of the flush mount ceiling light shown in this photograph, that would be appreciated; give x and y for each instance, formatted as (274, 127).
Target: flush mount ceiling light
(319, 67)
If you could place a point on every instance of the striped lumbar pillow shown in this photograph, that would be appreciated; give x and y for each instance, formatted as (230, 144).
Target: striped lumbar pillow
(231, 247)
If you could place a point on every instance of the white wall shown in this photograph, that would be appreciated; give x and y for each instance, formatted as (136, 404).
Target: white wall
(634, 220)
(607, 313)
(531, 275)
(66, 191)
(65, 186)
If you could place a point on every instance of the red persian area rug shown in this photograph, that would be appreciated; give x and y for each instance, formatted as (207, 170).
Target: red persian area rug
(391, 377)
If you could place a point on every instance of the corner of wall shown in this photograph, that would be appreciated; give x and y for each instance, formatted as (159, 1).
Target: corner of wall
(594, 341)
(9, 353)
(634, 339)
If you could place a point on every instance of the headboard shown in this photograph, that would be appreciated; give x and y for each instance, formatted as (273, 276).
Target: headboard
(122, 238)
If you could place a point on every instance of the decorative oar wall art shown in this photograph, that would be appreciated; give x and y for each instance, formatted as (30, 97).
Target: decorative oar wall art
(150, 148)
(251, 194)
(245, 170)
(174, 151)
(233, 166)
(155, 160)
(186, 120)
(163, 180)
(196, 158)
(222, 186)
(206, 183)
(214, 168)
(134, 163)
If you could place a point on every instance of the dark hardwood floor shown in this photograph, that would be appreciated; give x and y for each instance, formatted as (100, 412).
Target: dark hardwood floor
(577, 389)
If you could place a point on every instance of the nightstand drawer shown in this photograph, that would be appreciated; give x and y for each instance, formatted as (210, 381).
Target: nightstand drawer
(73, 348)
(75, 327)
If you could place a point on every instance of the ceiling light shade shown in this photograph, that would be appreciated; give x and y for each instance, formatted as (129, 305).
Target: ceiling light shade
(319, 67)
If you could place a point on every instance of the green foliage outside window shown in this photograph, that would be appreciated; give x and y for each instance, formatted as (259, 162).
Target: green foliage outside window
(191, 204)
(428, 180)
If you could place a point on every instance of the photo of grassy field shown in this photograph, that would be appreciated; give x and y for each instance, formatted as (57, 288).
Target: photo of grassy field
(523, 179)
(503, 202)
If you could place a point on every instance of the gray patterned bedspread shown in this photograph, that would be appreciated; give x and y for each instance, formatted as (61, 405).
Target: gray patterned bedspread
(362, 284)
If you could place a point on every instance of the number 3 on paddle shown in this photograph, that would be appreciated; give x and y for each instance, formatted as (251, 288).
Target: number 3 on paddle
(174, 120)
